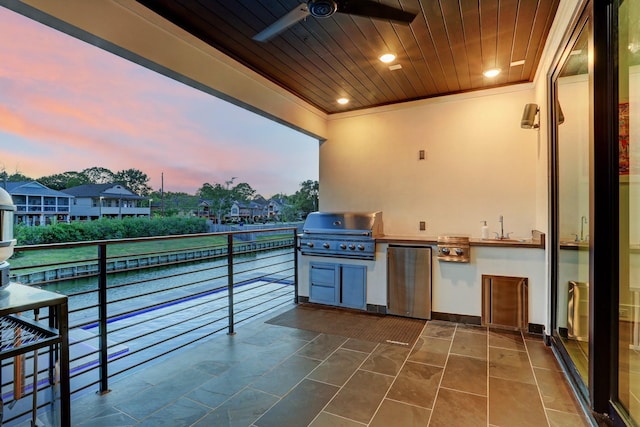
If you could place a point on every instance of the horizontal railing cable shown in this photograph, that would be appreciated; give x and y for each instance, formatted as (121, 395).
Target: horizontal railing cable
(153, 310)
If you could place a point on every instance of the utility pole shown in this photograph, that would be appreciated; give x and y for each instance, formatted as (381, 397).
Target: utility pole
(162, 193)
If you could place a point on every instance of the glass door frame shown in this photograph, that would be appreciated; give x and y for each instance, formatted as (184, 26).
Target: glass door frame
(600, 18)
(580, 24)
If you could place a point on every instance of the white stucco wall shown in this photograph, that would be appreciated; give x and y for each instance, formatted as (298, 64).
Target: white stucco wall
(479, 164)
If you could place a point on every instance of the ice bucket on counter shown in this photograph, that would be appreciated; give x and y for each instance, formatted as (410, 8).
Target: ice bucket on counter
(7, 242)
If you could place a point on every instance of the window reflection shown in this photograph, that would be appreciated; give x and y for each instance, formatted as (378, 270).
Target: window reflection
(572, 145)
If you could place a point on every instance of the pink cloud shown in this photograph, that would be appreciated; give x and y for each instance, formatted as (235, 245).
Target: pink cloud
(86, 107)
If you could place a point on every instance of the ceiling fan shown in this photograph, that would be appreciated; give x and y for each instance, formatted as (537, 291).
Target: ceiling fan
(326, 8)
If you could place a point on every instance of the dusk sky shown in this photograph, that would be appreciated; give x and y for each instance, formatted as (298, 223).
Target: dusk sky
(66, 105)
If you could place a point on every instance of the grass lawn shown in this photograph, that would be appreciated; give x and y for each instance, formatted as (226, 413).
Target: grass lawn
(77, 255)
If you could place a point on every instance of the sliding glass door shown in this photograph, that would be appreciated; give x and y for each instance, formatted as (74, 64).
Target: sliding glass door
(572, 202)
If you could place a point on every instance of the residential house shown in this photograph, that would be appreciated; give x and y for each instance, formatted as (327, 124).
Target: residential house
(274, 207)
(95, 201)
(37, 204)
(251, 211)
(256, 210)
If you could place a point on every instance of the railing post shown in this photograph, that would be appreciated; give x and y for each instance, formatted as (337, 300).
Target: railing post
(295, 266)
(230, 277)
(102, 318)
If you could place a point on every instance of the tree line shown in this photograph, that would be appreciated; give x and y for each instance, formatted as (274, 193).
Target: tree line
(220, 195)
(134, 179)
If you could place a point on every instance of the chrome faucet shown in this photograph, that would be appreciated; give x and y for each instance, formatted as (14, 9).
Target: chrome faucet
(583, 221)
(501, 221)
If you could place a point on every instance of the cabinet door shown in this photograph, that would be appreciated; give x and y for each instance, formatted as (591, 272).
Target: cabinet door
(353, 290)
(324, 283)
(505, 301)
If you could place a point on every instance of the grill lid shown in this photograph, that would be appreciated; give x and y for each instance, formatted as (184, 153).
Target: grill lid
(363, 224)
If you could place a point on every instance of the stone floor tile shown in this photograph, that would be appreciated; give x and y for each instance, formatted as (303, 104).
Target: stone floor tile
(353, 403)
(182, 412)
(467, 327)
(513, 403)
(506, 339)
(299, 407)
(338, 367)
(285, 376)
(325, 419)
(466, 374)
(90, 405)
(437, 329)
(173, 387)
(322, 346)
(393, 413)
(239, 411)
(417, 384)
(360, 345)
(433, 351)
(454, 408)
(386, 359)
(542, 355)
(470, 344)
(112, 418)
(564, 419)
(555, 390)
(510, 364)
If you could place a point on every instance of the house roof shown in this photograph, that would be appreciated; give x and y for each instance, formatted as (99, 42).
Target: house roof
(32, 188)
(108, 191)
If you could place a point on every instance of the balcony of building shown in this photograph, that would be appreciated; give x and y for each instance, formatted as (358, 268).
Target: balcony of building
(210, 335)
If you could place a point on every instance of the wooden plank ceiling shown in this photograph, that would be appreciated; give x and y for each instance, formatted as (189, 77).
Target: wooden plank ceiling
(443, 51)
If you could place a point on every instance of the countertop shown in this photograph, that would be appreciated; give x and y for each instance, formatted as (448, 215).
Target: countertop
(536, 241)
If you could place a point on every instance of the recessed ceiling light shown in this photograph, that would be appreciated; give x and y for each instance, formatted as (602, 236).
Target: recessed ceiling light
(387, 57)
(492, 72)
(343, 101)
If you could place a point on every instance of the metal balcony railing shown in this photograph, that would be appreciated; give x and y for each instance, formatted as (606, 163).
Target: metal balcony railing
(132, 301)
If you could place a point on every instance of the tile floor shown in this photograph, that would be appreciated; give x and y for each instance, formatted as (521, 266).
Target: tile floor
(274, 376)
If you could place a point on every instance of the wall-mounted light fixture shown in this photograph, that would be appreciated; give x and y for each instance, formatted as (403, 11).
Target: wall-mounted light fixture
(529, 117)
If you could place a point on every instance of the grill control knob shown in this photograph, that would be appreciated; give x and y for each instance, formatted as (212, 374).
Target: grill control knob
(459, 251)
(445, 251)
(325, 245)
(343, 246)
(310, 244)
(361, 247)
(352, 247)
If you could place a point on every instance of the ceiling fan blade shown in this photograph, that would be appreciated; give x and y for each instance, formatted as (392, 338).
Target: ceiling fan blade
(292, 17)
(373, 9)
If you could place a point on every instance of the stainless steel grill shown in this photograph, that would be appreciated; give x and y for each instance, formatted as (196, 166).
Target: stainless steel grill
(341, 235)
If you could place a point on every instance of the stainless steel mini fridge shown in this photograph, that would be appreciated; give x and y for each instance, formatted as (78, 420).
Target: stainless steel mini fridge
(409, 281)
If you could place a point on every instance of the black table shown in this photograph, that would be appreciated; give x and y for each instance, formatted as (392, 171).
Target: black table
(17, 298)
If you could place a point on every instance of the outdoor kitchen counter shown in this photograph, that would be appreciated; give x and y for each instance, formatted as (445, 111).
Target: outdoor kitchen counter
(537, 241)
(457, 286)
